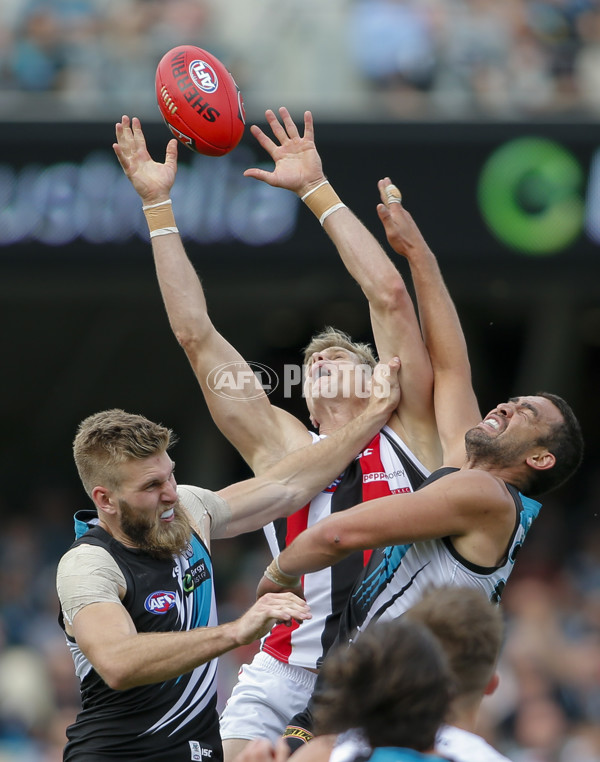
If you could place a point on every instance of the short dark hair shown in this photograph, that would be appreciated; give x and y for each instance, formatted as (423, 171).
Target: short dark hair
(565, 442)
(393, 682)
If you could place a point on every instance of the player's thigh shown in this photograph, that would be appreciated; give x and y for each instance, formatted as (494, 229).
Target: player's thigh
(232, 747)
(268, 693)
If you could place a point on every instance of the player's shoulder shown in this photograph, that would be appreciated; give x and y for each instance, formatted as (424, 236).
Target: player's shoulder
(463, 746)
(292, 435)
(471, 478)
(201, 504)
(198, 500)
(472, 488)
(84, 559)
(188, 493)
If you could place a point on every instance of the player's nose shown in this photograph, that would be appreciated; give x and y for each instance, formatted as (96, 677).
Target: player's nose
(506, 409)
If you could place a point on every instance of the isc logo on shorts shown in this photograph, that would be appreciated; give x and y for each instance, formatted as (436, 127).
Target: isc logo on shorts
(160, 602)
(197, 752)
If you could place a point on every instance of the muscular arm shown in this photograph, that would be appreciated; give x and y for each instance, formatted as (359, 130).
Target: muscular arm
(395, 326)
(472, 507)
(125, 658)
(296, 479)
(456, 406)
(259, 431)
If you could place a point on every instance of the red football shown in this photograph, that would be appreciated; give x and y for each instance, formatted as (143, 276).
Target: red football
(199, 100)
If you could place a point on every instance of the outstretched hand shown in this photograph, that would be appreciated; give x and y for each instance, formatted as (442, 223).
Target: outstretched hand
(151, 179)
(401, 230)
(298, 165)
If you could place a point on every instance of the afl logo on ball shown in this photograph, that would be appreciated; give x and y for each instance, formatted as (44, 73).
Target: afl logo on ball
(204, 76)
(160, 602)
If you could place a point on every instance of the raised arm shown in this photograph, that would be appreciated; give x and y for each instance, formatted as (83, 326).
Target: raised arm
(259, 431)
(396, 330)
(470, 506)
(456, 406)
(296, 479)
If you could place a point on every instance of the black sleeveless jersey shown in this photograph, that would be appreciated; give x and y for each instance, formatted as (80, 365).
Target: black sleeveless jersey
(175, 720)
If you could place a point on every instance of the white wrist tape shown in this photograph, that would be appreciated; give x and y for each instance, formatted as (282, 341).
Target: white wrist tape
(274, 574)
(164, 231)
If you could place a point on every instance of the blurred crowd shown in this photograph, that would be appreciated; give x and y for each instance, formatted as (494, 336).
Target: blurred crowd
(344, 59)
(547, 708)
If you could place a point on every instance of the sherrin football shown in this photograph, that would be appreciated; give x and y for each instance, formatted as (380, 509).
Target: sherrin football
(199, 100)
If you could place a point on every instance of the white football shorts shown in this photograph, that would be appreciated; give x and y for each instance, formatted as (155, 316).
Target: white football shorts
(267, 695)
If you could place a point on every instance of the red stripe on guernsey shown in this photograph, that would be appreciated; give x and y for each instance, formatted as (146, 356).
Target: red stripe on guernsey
(279, 640)
(375, 483)
(377, 472)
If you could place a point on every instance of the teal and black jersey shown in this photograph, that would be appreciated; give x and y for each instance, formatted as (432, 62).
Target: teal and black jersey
(174, 720)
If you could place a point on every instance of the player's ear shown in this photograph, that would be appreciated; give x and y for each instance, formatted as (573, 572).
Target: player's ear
(103, 500)
(541, 461)
(492, 684)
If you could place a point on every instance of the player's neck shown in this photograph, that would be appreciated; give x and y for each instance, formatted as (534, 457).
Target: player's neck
(464, 715)
(116, 533)
(512, 474)
(335, 414)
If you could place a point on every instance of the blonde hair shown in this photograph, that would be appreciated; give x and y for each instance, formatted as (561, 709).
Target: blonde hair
(107, 439)
(332, 337)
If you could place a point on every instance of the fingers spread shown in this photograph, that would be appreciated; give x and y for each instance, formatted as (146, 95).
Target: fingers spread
(309, 127)
(290, 125)
(138, 135)
(276, 127)
(263, 139)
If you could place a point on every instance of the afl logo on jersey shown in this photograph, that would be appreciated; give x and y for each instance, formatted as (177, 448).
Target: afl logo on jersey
(160, 602)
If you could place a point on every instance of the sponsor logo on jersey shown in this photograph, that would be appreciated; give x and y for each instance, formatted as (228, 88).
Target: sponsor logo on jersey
(204, 76)
(195, 576)
(160, 602)
(381, 476)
